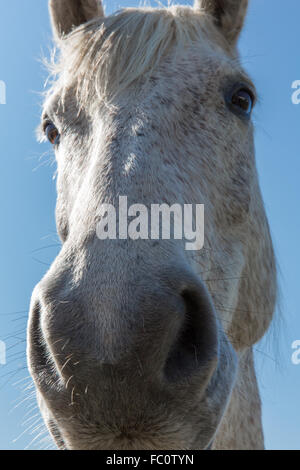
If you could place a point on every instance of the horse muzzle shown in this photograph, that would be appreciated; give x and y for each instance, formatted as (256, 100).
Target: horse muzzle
(135, 363)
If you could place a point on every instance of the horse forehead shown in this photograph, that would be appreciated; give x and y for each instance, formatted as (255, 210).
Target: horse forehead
(203, 57)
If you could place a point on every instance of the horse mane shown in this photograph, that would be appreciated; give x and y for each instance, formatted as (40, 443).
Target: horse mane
(107, 55)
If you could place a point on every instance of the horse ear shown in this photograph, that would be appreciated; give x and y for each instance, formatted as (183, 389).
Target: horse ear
(228, 15)
(67, 14)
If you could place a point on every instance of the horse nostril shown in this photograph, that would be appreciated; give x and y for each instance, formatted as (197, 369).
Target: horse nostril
(196, 343)
(38, 354)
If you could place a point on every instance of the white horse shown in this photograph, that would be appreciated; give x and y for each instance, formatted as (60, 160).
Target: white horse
(141, 344)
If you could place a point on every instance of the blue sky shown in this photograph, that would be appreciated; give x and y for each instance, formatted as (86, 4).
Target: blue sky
(28, 241)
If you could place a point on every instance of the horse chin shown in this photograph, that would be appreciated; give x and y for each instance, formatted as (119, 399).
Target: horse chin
(88, 439)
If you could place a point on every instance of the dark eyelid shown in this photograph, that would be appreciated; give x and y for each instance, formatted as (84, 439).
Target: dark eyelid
(240, 79)
(247, 86)
(45, 121)
(252, 92)
(245, 82)
(45, 124)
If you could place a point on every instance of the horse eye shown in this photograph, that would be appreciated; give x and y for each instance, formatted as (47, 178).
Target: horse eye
(242, 101)
(52, 133)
